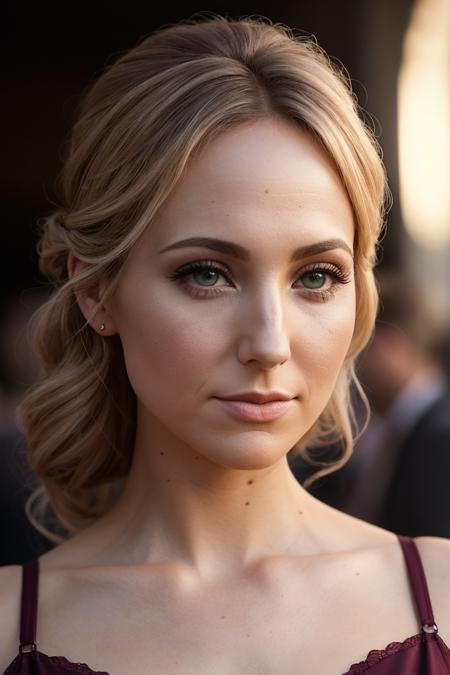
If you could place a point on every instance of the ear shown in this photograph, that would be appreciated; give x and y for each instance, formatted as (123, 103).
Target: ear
(94, 312)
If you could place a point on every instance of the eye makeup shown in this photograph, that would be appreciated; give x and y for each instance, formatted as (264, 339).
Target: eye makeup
(316, 273)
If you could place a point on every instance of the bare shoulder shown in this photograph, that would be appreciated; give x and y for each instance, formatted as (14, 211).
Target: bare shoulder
(10, 592)
(435, 555)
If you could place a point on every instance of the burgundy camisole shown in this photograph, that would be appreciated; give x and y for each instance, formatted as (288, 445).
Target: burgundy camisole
(422, 654)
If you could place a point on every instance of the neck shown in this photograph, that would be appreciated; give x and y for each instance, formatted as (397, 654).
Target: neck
(179, 506)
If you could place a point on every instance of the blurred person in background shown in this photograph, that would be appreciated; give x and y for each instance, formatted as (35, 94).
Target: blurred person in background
(401, 464)
(19, 540)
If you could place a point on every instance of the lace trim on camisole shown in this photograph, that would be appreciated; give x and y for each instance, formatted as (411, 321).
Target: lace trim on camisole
(377, 655)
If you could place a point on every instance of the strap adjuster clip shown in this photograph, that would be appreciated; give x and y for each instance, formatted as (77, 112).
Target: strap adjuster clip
(27, 647)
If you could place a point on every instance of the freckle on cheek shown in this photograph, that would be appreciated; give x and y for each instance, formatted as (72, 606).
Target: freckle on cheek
(247, 503)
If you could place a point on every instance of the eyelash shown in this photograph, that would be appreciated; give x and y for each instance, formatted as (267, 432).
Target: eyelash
(180, 275)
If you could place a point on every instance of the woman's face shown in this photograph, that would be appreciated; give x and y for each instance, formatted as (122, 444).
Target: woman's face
(251, 318)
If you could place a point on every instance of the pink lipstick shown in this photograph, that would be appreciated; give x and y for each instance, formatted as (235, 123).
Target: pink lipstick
(256, 412)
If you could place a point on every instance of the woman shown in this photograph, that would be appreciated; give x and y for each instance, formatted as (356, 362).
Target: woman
(213, 264)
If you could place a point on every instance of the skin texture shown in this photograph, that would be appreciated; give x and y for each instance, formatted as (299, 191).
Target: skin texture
(199, 485)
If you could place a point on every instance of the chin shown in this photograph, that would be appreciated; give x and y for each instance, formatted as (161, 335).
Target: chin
(249, 460)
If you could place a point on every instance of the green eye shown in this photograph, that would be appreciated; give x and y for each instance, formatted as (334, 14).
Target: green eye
(313, 279)
(205, 276)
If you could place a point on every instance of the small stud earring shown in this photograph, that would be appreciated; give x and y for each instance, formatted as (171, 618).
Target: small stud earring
(102, 327)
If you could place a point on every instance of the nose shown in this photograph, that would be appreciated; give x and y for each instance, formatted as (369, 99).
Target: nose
(264, 339)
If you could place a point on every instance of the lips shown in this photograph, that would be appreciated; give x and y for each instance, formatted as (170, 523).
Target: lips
(259, 397)
(256, 412)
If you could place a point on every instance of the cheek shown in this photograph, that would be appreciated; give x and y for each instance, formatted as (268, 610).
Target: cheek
(165, 349)
(322, 345)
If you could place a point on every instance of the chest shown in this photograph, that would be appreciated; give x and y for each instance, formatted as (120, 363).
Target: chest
(268, 625)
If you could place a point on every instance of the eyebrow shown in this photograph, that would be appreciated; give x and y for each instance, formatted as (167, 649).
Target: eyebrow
(241, 253)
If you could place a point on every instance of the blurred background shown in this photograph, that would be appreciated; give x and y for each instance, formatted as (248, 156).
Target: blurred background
(397, 55)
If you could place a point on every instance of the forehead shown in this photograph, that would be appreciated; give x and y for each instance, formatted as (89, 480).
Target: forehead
(265, 177)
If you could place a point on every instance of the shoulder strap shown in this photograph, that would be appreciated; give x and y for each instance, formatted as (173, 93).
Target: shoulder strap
(28, 617)
(418, 583)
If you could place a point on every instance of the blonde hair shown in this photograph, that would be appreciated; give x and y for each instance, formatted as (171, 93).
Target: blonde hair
(138, 127)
